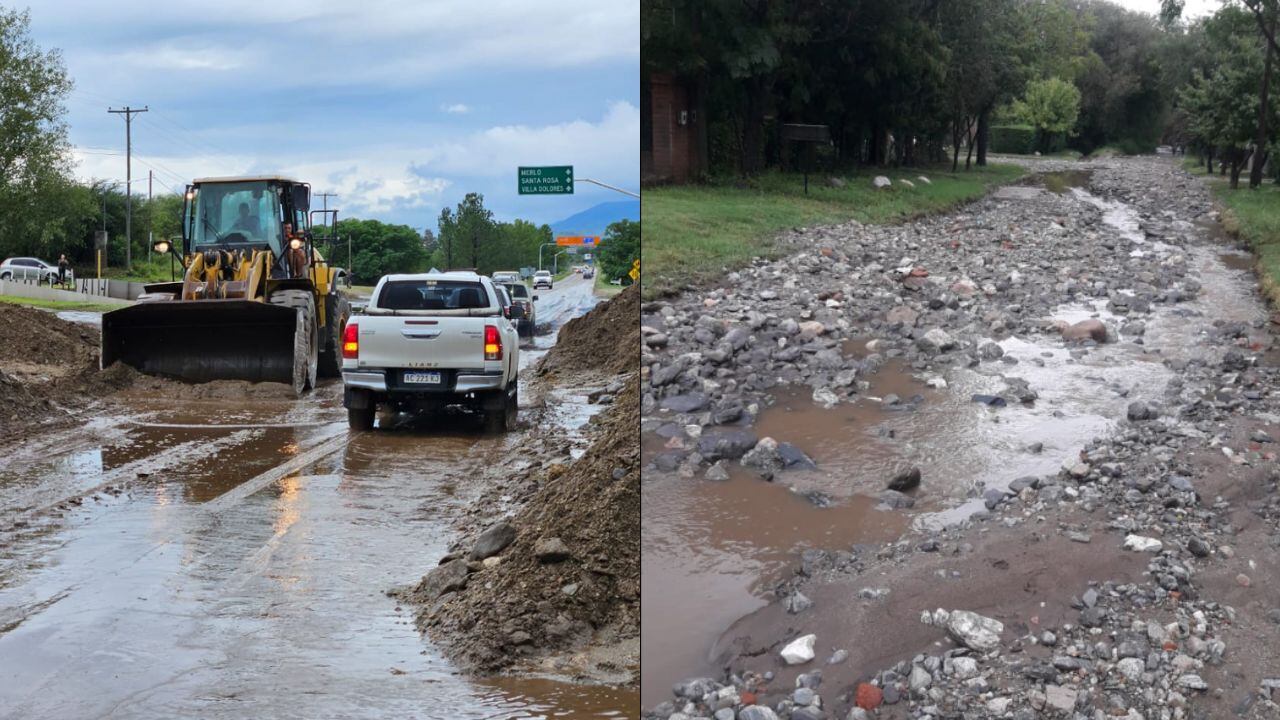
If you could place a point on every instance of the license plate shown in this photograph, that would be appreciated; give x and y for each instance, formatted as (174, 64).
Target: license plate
(422, 378)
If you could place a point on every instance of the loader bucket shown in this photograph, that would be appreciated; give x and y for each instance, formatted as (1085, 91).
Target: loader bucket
(203, 340)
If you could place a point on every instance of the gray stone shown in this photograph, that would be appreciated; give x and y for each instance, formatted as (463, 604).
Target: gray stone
(1060, 698)
(974, 631)
(551, 550)
(493, 541)
(446, 578)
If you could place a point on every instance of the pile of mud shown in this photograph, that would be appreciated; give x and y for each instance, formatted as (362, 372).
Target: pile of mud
(606, 339)
(569, 573)
(28, 335)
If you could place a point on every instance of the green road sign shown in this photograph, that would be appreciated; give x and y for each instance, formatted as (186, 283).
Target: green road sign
(549, 180)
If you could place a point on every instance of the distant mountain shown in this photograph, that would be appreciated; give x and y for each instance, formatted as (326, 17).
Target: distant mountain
(594, 220)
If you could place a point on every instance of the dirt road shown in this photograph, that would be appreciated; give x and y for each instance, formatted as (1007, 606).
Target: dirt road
(941, 357)
(232, 557)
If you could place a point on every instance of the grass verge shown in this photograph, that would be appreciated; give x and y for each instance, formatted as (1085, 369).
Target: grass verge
(61, 304)
(693, 234)
(1253, 216)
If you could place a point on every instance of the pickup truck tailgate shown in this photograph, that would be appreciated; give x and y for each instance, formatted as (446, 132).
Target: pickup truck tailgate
(389, 341)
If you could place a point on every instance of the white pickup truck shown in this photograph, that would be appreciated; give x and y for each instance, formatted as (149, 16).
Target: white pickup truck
(429, 341)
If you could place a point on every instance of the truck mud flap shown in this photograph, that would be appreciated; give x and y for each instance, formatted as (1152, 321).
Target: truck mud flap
(203, 340)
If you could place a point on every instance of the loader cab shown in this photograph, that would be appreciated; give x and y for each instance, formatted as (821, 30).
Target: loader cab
(246, 215)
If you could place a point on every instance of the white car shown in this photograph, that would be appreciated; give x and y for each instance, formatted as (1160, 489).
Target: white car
(29, 268)
(430, 341)
(542, 278)
(506, 276)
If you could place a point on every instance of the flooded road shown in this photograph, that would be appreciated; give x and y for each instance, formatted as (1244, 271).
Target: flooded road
(724, 544)
(231, 558)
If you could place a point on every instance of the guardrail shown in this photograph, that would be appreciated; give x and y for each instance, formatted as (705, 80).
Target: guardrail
(121, 291)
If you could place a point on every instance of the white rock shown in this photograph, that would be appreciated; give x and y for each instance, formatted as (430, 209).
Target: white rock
(964, 667)
(1138, 543)
(999, 706)
(974, 631)
(924, 180)
(881, 181)
(908, 183)
(1131, 668)
(799, 650)
(826, 398)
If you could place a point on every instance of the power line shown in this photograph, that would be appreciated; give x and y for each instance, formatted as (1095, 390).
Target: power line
(128, 113)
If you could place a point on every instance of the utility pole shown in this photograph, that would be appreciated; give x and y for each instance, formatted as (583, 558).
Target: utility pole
(324, 197)
(151, 212)
(128, 113)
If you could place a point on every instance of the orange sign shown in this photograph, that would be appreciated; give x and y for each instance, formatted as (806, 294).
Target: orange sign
(575, 240)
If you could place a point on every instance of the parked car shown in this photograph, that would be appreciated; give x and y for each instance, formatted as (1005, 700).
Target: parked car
(505, 276)
(542, 278)
(28, 268)
(520, 296)
(430, 341)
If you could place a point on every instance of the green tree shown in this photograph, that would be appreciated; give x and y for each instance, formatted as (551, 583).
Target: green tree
(620, 248)
(381, 249)
(1051, 107)
(464, 232)
(34, 153)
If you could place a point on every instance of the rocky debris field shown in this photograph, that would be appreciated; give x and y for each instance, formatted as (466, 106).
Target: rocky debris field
(1138, 581)
(546, 575)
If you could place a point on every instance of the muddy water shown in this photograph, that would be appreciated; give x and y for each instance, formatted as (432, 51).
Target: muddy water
(243, 571)
(713, 562)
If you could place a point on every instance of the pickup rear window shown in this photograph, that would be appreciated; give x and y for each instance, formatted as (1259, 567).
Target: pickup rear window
(518, 291)
(432, 295)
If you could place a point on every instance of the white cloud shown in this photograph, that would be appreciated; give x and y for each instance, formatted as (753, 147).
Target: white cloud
(388, 180)
(609, 148)
(456, 109)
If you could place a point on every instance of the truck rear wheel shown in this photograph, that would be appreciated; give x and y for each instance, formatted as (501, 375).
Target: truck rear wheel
(361, 418)
(501, 416)
(336, 312)
(306, 357)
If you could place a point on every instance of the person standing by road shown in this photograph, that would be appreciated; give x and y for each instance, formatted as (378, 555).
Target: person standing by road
(63, 264)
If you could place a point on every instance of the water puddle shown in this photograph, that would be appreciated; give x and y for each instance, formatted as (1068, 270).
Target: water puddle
(81, 316)
(538, 698)
(714, 548)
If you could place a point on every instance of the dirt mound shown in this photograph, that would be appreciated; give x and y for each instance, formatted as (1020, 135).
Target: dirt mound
(570, 576)
(606, 339)
(36, 336)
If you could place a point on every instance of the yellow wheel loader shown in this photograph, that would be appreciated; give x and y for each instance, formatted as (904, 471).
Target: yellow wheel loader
(256, 300)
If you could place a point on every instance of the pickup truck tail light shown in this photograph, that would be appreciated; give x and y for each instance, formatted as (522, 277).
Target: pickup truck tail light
(492, 343)
(351, 342)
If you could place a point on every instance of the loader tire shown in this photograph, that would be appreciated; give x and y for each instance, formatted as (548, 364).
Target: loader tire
(306, 356)
(336, 312)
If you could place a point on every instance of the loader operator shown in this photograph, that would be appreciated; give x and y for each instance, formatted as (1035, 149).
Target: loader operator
(247, 223)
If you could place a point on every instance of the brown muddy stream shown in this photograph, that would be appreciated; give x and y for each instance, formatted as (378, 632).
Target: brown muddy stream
(713, 549)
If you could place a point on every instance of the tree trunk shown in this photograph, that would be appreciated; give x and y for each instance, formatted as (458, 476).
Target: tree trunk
(1260, 140)
(753, 127)
(1209, 160)
(955, 145)
(968, 134)
(984, 134)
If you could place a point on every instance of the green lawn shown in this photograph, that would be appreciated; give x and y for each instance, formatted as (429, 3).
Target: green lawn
(1254, 217)
(693, 234)
(62, 304)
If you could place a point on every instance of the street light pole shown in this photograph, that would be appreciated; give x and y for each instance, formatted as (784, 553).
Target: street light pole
(540, 252)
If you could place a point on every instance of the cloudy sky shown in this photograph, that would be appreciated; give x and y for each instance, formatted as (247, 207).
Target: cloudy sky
(398, 107)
